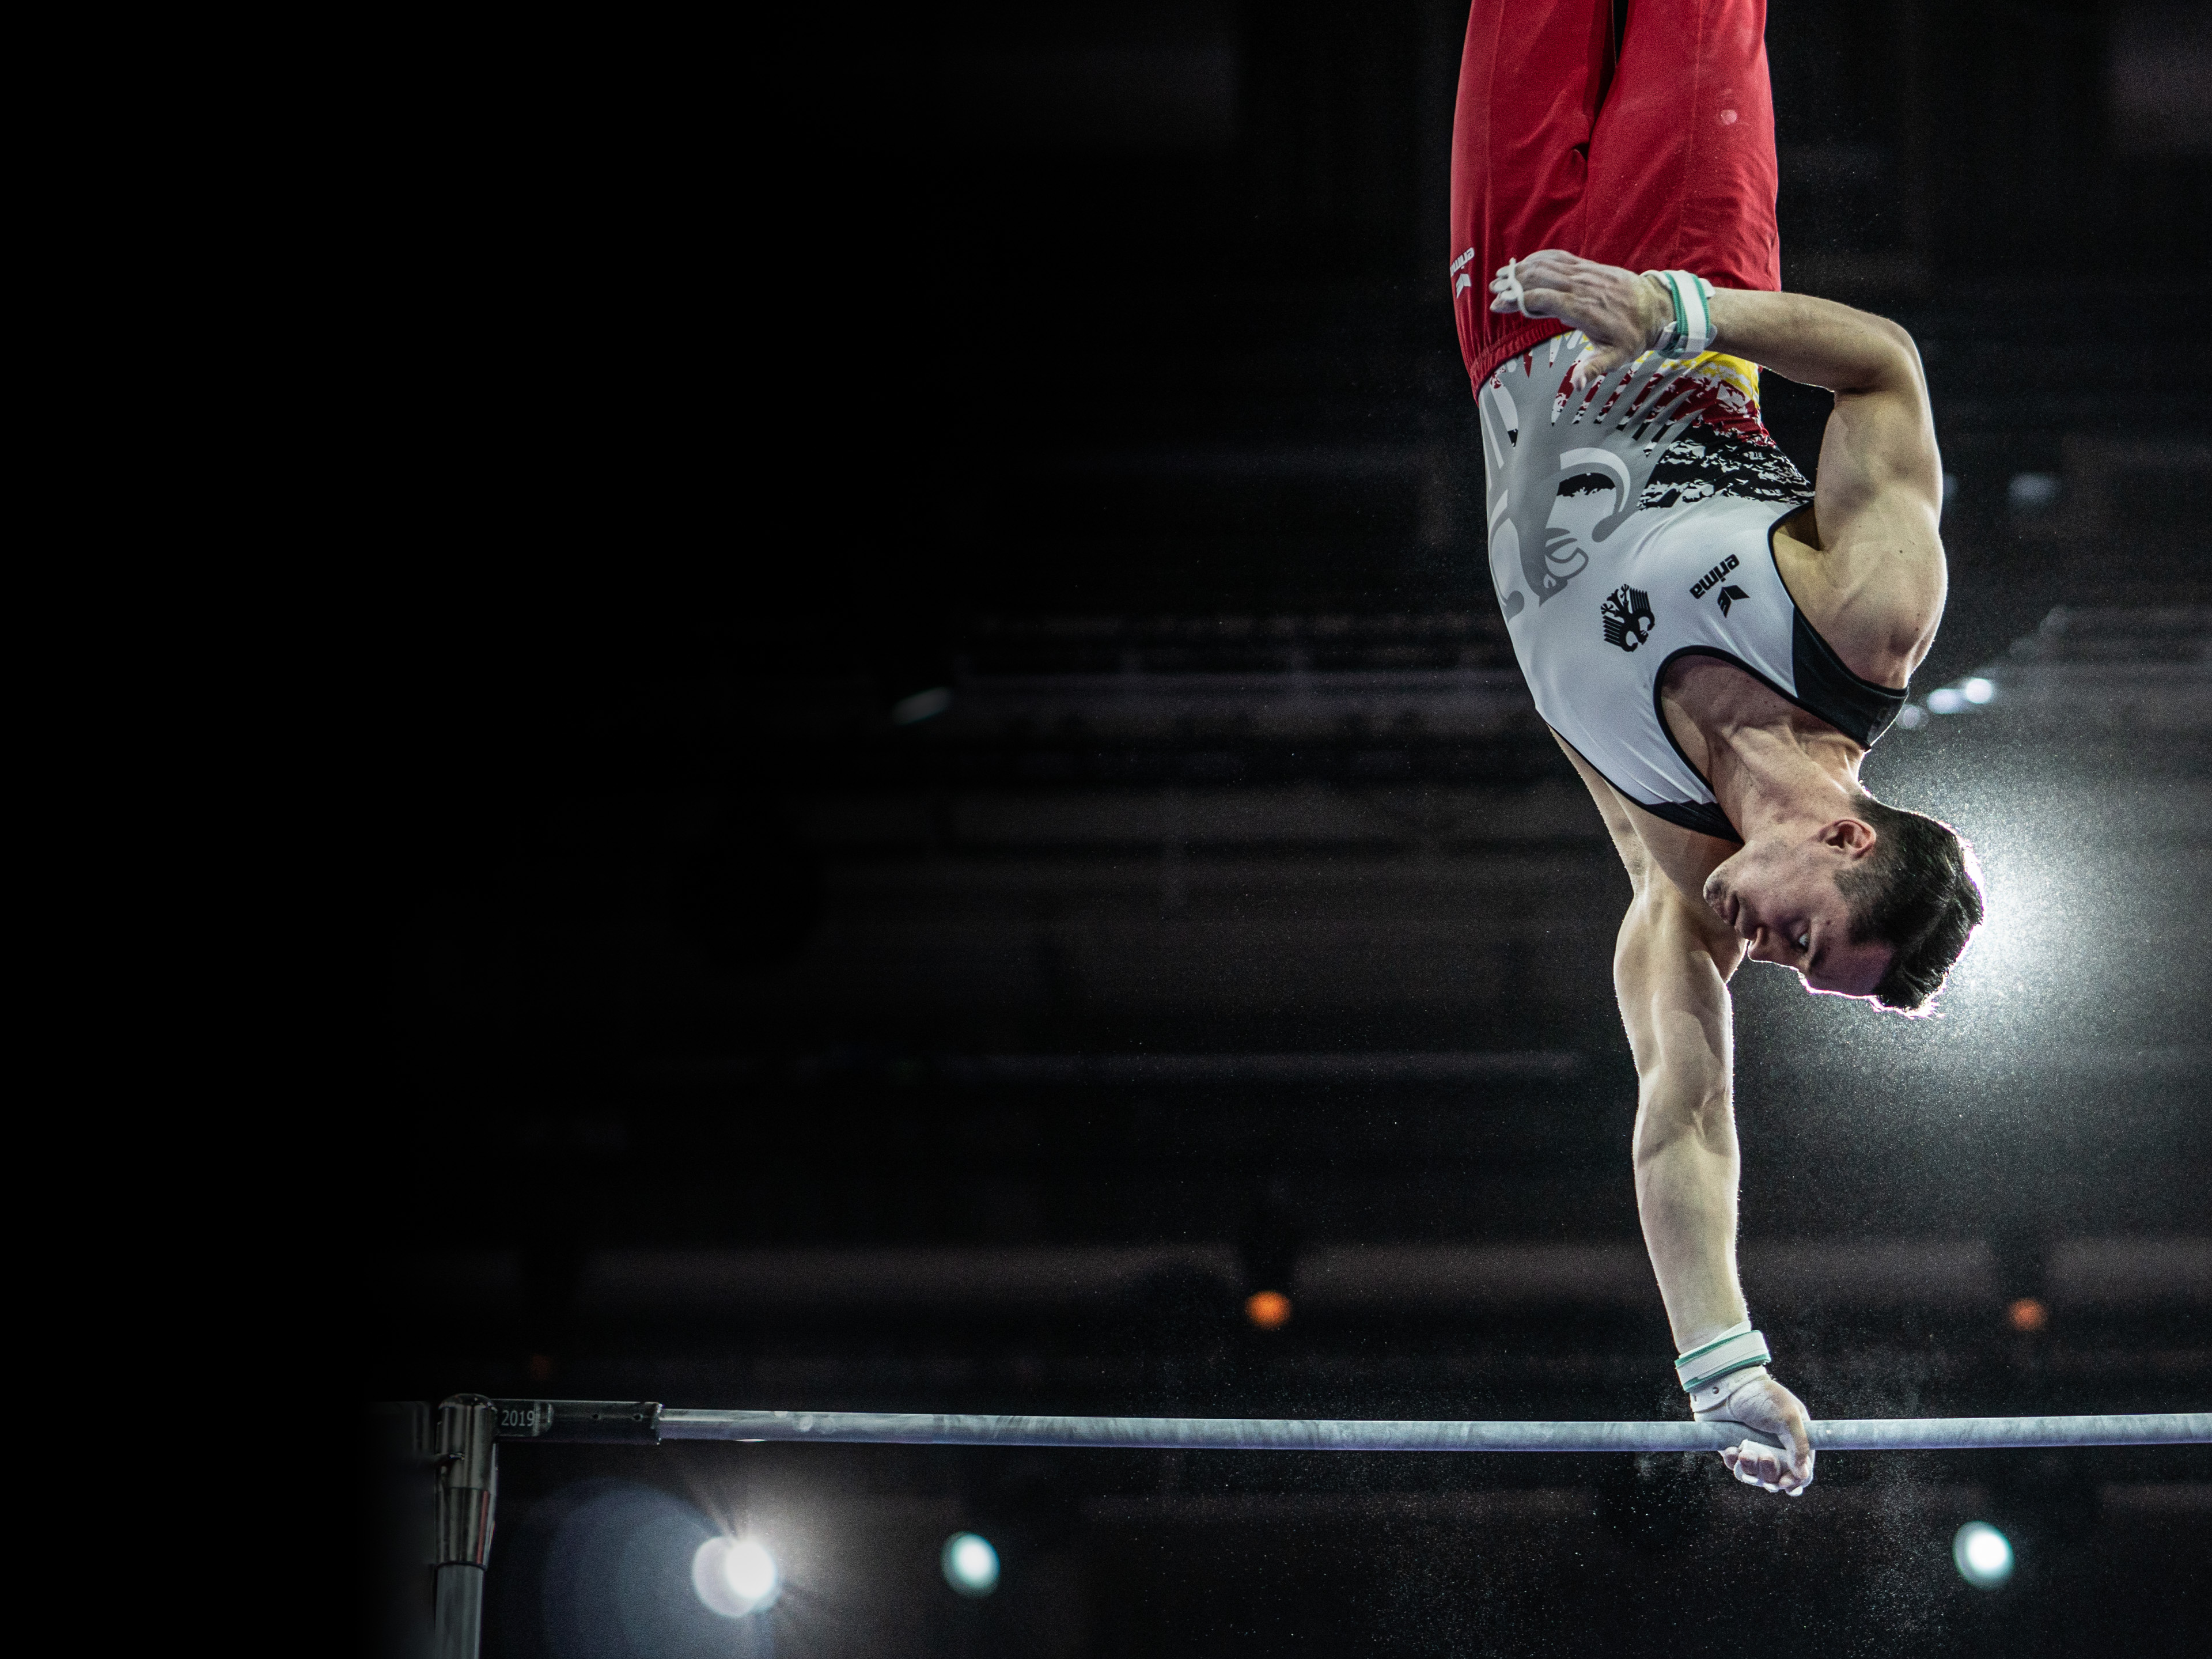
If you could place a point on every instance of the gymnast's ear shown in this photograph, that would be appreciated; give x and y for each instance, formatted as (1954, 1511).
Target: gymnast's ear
(1853, 837)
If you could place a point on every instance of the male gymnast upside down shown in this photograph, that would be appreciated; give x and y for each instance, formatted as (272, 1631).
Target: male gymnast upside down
(1714, 641)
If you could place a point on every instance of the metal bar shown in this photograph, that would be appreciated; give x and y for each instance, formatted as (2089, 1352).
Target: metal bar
(1276, 1434)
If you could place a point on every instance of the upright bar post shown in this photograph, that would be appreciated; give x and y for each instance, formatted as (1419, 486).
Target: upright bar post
(468, 1487)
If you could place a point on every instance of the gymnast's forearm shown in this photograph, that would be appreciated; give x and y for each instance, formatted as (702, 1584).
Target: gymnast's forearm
(1686, 1173)
(1674, 1003)
(1814, 341)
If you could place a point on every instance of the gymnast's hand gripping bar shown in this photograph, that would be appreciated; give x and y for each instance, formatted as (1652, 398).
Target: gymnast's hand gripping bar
(645, 1422)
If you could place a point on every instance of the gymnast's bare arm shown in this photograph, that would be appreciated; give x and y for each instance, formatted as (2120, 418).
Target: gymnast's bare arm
(1866, 566)
(1671, 966)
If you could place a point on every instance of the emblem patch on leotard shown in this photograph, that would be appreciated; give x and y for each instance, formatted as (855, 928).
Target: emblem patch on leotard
(1626, 612)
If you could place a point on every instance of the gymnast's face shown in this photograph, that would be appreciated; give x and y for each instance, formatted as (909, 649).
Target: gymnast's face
(1780, 895)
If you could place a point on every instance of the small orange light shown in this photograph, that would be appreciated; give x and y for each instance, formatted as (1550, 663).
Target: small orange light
(1269, 1309)
(2027, 1315)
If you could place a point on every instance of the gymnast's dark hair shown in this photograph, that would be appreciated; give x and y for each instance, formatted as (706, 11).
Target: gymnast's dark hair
(1917, 892)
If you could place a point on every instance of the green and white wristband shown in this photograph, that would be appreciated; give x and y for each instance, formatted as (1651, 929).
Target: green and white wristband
(1692, 331)
(1711, 1372)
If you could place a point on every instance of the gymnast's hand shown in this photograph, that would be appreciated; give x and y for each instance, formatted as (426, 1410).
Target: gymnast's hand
(1763, 1404)
(1622, 312)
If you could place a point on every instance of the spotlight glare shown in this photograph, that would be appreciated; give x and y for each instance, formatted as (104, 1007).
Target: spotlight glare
(734, 1576)
(1978, 690)
(1945, 700)
(972, 1565)
(750, 1570)
(1982, 1554)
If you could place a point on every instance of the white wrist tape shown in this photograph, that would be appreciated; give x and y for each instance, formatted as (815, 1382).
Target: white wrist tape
(1510, 291)
(1735, 1349)
(1692, 331)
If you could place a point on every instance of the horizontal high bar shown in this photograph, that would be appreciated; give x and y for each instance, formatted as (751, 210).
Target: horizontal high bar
(644, 1421)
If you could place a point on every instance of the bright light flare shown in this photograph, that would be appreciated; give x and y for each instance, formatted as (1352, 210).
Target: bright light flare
(972, 1565)
(1978, 690)
(1982, 1554)
(734, 1576)
(2038, 905)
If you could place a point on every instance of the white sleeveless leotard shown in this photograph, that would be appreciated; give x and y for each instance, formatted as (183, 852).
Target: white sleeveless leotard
(1631, 527)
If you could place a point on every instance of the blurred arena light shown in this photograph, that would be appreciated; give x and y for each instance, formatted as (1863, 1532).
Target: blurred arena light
(2028, 1316)
(970, 1564)
(1982, 1554)
(1951, 699)
(2032, 492)
(1268, 1310)
(921, 706)
(734, 1576)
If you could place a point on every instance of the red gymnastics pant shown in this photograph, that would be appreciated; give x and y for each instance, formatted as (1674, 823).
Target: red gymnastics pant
(1656, 155)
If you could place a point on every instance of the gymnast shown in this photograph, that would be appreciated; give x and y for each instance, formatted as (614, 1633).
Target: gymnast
(1714, 641)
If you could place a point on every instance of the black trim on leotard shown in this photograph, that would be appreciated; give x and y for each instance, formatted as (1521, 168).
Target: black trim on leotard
(1703, 817)
(1862, 709)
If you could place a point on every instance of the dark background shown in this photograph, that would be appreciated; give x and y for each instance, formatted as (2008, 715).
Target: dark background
(1233, 926)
